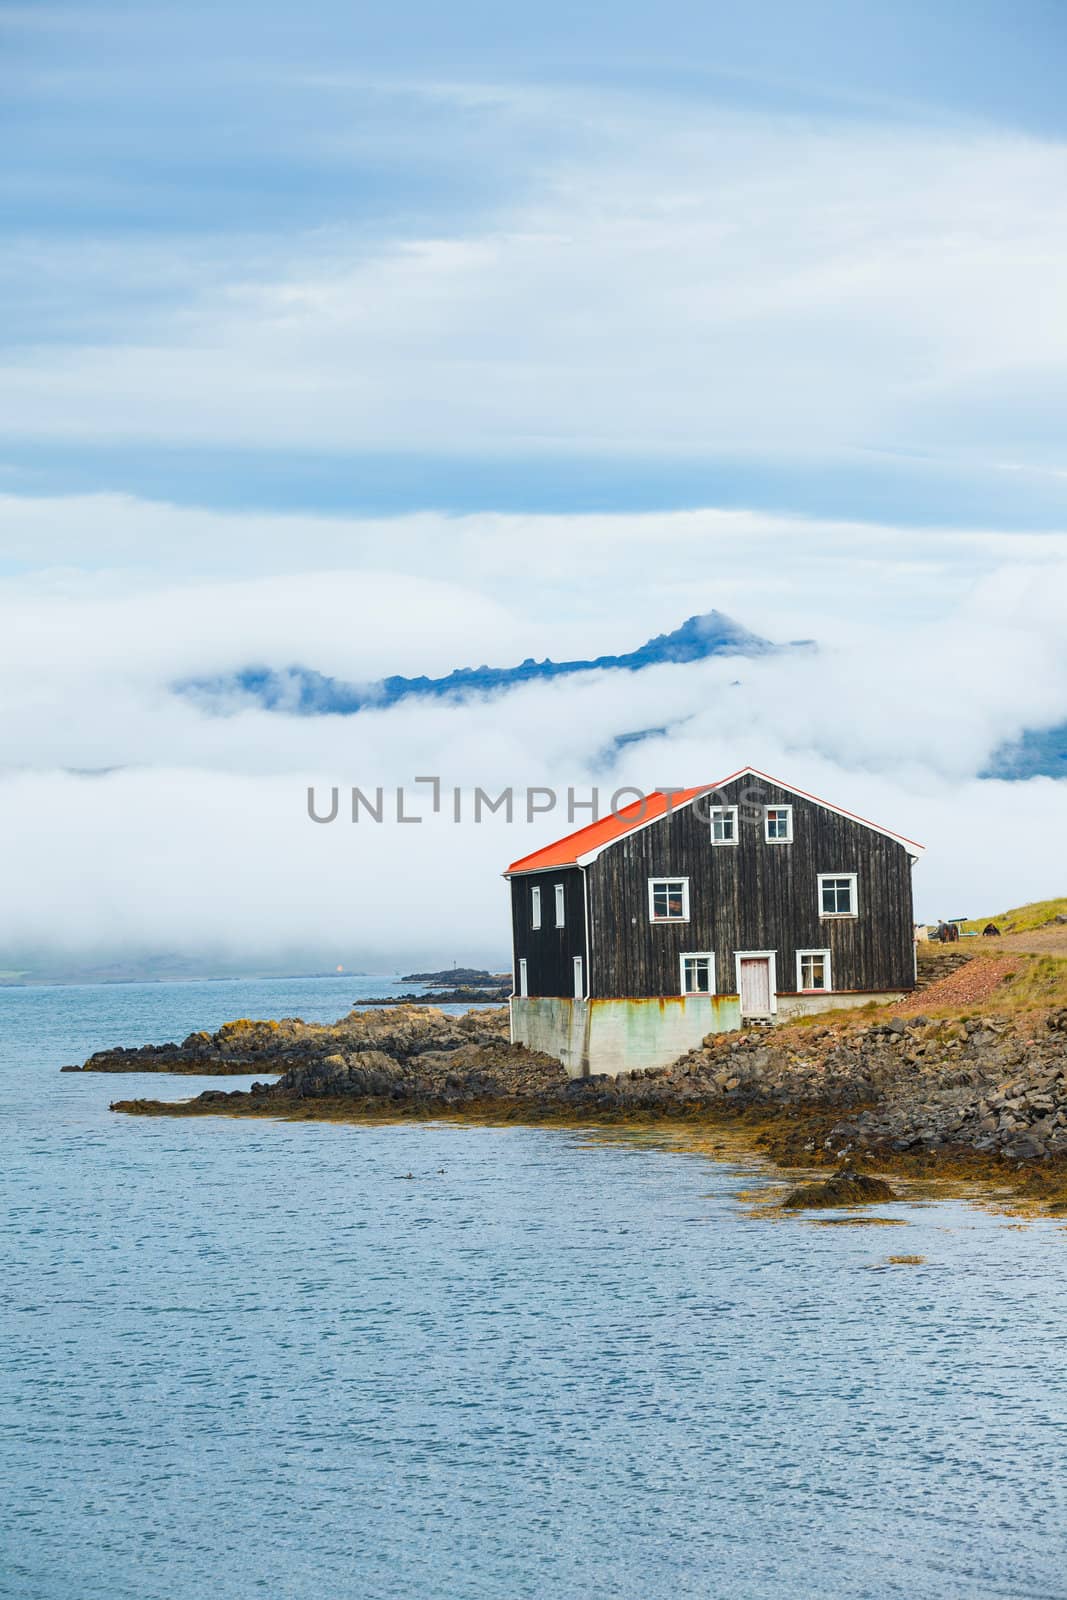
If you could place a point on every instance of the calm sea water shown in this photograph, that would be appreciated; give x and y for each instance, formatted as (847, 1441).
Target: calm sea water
(260, 1359)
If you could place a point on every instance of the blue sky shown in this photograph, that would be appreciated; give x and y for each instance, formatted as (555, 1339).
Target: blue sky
(392, 340)
(189, 189)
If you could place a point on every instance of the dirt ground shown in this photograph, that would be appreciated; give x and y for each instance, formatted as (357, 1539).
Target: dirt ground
(1047, 941)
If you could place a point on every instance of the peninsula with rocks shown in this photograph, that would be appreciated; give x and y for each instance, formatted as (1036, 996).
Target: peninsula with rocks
(967, 1080)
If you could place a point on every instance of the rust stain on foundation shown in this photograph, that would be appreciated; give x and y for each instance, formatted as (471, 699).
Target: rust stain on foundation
(716, 1003)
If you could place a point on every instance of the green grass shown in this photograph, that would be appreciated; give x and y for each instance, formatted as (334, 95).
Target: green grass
(1040, 982)
(1023, 918)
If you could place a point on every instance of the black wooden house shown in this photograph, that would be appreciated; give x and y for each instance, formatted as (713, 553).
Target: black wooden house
(702, 910)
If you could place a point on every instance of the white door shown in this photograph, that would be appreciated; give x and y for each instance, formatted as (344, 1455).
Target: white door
(755, 986)
(579, 985)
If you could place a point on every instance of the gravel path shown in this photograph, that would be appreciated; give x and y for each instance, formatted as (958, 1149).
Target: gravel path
(968, 984)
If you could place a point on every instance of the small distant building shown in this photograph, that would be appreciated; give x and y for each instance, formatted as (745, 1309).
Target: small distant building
(700, 911)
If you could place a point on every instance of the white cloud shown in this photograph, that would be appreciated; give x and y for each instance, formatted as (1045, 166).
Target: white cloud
(202, 841)
(690, 281)
(569, 579)
(222, 865)
(665, 280)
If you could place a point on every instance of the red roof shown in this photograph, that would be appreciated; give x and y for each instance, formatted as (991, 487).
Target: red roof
(595, 836)
(565, 852)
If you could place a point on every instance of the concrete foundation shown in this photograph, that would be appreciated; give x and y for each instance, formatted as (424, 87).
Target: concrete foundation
(806, 1005)
(613, 1036)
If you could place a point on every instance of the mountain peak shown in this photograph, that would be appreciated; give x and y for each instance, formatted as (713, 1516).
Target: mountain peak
(302, 691)
(711, 633)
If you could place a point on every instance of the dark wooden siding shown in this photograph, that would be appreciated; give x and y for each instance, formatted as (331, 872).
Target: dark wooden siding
(751, 896)
(549, 951)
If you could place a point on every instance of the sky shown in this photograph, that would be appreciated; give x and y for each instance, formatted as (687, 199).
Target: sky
(400, 339)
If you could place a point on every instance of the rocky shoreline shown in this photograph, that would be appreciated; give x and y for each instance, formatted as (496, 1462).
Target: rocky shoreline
(242, 1047)
(463, 996)
(983, 1095)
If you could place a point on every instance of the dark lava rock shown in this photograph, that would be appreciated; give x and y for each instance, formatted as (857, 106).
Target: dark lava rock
(845, 1188)
(400, 1032)
(931, 1087)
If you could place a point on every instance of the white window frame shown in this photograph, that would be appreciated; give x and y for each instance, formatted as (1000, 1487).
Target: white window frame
(535, 907)
(524, 981)
(653, 884)
(825, 954)
(758, 955)
(561, 905)
(853, 878)
(724, 811)
(696, 955)
(579, 978)
(787, 838)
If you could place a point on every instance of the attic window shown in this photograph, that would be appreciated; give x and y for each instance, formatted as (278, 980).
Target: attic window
(535, 907)
(837, 894)
(778, 824)
(561, 906)
(723, 824)
(668, 899)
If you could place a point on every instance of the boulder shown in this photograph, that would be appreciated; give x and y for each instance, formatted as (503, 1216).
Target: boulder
(846, 1188)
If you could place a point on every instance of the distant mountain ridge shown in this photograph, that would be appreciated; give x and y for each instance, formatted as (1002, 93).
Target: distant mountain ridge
(301, 691)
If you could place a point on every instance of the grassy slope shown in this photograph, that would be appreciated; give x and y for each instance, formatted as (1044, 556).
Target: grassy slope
(1040, 983)
(1023, 918)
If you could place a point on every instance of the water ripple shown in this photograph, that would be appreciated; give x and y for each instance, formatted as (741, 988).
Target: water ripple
(245, 1360)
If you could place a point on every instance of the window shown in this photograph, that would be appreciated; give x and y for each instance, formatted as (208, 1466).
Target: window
(778, 824)
(579, 979)
(524, 987)
(535, 907)
(698, 972)
(837, 894)
(668, 899)
(723, 824)
(561, 906)
(813, 971)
